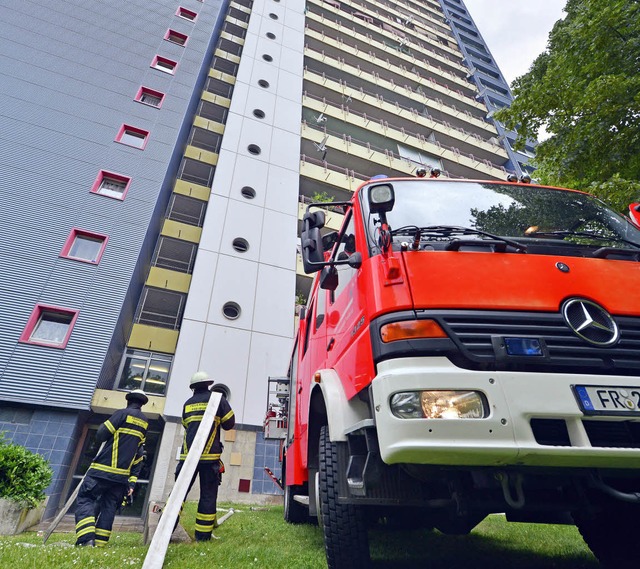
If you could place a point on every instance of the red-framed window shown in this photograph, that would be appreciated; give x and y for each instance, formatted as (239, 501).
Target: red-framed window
(164, 64)
(49, 326)
(186, 14)
(132, 136)
(111, 185)
(85, 246)
(176, 37)
(149, 97)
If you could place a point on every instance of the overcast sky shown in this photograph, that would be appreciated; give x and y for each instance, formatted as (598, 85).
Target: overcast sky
(516, 31)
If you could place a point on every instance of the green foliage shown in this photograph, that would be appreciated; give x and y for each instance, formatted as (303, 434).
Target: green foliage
(323, 197)
(585, 91)
(618, 193)
(301, 298)
(24, 475)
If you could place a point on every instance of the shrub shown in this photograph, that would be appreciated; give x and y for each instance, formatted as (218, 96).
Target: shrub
(24, 475)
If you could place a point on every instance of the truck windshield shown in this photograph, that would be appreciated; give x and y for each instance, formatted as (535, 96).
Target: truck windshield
(446, 210)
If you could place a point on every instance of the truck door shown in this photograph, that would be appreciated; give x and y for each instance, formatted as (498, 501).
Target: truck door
(345, 317)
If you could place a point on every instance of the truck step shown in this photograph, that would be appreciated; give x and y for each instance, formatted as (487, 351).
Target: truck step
(304, 500)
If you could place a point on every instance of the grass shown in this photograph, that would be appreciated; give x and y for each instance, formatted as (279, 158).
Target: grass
(260, 539)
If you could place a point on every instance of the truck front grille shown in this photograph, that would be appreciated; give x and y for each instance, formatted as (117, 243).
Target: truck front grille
(472, 331)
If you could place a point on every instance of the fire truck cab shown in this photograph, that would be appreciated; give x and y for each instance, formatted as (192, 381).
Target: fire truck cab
(468, 348)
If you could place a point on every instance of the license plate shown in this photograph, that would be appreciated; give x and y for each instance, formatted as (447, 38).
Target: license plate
(608, 400)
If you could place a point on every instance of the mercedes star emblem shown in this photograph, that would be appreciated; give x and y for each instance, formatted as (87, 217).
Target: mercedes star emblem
(590, 322)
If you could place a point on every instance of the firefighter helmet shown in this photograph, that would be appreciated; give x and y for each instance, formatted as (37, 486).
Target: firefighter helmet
(137, 395)
(200, 377)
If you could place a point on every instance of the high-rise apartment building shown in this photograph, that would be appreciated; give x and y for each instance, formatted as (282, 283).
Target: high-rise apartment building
(155, 158)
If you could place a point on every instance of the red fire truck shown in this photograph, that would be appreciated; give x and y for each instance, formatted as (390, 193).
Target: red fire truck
(468, 348)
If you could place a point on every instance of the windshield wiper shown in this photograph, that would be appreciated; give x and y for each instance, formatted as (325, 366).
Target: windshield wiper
(587, 234)
(437, 231)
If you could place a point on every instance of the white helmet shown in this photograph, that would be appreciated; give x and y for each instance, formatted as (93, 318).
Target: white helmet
(137, 395)
(200, 377)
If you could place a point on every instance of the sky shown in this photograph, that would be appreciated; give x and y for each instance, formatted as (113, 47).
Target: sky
(516, 31)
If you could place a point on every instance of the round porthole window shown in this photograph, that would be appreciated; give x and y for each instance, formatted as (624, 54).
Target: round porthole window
(240, 244)
(263, 83)
(248, 192)
(271, 35)
(273, 16)
(267, 57)
(231, 310)
(258, 113)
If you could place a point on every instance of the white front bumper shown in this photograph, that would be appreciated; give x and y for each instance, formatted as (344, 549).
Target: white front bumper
(505, 436)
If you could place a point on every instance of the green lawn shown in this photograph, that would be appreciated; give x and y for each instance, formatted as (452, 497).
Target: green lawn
(261, 539)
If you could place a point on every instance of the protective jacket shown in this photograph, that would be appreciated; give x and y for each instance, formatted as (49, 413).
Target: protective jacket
(192, 413)
(124, 435)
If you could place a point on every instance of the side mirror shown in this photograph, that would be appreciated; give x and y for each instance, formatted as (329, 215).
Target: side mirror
(313, 219)
(381, 198)
(312, 252)
(634, 213)
(355, 261)
(329, 240)
(329, 278)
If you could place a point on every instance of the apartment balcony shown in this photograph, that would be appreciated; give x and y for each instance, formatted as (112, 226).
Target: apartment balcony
(329, 103)
(380, 16)
(338, 55)
(349, 24)
(344, 151)
(393, 53)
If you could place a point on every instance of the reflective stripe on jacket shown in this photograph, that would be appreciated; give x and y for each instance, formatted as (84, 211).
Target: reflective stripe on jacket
(124, 434)
(192, 413)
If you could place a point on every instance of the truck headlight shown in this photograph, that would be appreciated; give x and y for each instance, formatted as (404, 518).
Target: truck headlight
(439, 404)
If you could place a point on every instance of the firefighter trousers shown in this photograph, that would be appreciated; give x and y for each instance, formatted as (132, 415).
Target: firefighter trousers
(96, 505)
(206, 517)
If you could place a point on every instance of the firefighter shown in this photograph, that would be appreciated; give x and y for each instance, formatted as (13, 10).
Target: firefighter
(209, 467)
(114, 471)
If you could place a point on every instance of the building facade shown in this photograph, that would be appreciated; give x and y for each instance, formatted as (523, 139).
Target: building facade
(156, 158)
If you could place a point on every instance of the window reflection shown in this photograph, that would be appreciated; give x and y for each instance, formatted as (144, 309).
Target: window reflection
(145, 370)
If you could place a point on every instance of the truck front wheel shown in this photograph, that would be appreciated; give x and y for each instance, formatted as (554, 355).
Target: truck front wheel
(612, 534)
(344, 525)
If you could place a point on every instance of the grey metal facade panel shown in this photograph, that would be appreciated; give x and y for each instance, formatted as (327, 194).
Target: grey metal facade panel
(70, 74)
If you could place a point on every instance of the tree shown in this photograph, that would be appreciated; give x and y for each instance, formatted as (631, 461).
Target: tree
(585, 91)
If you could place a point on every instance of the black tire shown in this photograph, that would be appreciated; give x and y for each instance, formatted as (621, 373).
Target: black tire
(612, 534)
(344, 525)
